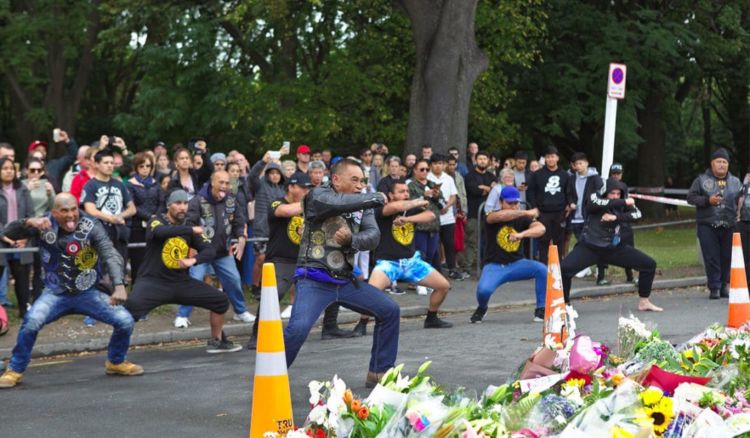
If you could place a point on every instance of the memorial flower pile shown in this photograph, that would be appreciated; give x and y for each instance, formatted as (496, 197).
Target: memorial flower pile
(648, 388)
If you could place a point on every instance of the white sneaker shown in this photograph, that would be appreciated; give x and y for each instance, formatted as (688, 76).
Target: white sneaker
(421, 290)
(287, 313)
(181, 322)
(244, 317)
(584, 273)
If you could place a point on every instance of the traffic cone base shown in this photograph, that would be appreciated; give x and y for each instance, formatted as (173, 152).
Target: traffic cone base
(739, 301)
(272, 401)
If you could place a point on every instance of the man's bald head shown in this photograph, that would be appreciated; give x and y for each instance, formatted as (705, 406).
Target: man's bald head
(64, 200)
(220, 185)
(65, 211)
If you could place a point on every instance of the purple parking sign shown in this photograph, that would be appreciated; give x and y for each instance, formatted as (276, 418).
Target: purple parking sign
(616, 81)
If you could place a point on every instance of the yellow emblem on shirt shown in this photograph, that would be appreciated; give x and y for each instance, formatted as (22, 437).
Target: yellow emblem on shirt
(503, 239)
(155, 223)
(294, 229)
(86, 258)
(404, 233)
(175, 249)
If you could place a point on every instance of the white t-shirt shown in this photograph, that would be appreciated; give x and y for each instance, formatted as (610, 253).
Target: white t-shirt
(447, 189)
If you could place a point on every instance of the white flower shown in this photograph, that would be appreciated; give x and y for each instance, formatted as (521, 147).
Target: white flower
(318, 415)
(338, 388)
(314, 387)
(572, 393)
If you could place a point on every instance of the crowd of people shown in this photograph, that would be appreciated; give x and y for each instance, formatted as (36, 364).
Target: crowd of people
(341, 231)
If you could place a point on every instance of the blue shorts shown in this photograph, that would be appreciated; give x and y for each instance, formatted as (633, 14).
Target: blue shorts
(412, 270)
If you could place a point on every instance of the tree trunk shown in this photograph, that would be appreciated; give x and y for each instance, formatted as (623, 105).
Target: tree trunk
(652, 152)
(448, 61)
(706, 110)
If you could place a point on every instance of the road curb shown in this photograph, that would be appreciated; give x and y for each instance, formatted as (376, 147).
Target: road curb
(345, 317)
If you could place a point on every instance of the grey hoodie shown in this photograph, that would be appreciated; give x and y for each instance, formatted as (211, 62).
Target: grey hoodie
(265, 193)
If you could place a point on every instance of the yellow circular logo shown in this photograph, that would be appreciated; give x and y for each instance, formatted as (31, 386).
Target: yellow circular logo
(86, 258)
(175, 249)
(403, 234)
(294, 230)
(503, 239)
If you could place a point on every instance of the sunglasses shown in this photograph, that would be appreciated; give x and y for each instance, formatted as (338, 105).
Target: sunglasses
(35, 170)
(422, 169)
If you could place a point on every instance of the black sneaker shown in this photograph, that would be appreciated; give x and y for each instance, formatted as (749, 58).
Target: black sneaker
(465, 275)
(436, 323)
(395, 290)
(713, 294)
(252, 343)
(222, 346)
(724, 293)
(602, 282)
(360, 329)
(335, 333)
(478, 315)
(539, 314)
(455, 275)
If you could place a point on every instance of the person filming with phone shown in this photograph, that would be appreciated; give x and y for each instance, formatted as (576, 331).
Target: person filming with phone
(715, 194)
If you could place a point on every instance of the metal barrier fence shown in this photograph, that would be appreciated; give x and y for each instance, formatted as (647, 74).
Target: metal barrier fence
(33, 249)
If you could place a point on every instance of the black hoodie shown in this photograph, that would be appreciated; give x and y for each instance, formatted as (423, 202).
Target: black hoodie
(607, 234)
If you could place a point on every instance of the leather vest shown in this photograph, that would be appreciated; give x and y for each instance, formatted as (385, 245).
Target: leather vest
(745, 211)
(208, 217)
(71, 264)
(319, 249)
(724, 214)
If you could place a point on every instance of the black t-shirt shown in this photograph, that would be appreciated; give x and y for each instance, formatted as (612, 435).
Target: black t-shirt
(166, 245)
(396, 242)
(285, 234)
(109, 197)
(498, 247)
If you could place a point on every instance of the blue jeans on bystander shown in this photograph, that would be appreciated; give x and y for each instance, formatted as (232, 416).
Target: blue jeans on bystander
(229, 277)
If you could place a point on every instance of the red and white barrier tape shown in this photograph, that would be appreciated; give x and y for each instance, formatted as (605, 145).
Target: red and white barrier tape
(660, 199)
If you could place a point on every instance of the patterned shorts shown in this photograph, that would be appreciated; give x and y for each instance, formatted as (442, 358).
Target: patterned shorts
(411, 270)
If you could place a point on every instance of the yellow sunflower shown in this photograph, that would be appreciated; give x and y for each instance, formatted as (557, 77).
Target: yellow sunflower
(651, 396)
(661, 415)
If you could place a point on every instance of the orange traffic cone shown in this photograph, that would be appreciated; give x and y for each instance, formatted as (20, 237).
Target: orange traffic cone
(555, 313)
(273, 410)
(739, 302)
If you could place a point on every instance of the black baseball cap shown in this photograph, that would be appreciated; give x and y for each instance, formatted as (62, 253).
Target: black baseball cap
(300, 179)
(615, 168)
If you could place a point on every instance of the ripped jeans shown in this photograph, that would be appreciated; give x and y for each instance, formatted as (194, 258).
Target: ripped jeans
(50, 307)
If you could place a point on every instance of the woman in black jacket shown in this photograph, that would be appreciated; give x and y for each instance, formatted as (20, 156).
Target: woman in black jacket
(187, 178)
(144, 190)
(15, 203)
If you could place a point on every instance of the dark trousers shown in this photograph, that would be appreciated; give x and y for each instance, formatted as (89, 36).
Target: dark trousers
(743, 228)
(447, 235)
(716, 246)
(21, 274)
(427, 243)
(625, 256)
(554, 222)
(137, 235)
(151, 292)
(627, 238)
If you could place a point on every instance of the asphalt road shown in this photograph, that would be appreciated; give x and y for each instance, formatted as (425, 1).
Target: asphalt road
(188, 393)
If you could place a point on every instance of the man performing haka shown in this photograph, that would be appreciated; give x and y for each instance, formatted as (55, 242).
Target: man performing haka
(396, 256)
(71, 247)
(601, 242)
(338, 221)
(164, 276)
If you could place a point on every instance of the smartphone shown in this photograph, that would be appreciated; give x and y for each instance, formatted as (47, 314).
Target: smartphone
(56, 136)
(275, 155)
(285, 148)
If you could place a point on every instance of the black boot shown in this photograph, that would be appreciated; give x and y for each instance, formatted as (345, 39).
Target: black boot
(724, 291)
(331, 328)
(713, 294)
(432, 321)
(360, 329)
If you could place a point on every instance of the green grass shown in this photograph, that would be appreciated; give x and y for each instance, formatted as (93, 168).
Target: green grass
(672, 247)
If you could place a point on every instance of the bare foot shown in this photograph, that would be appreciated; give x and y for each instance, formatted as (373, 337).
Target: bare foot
(648, 306)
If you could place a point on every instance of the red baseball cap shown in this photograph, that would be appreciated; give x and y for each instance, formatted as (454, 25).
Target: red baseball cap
(304, 149)
(35, 144)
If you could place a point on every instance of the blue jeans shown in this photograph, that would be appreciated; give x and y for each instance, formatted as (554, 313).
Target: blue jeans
(428, 243)
(229, 277)
(4, 287)
(495, 275)
(50, 307)
(313, 297)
